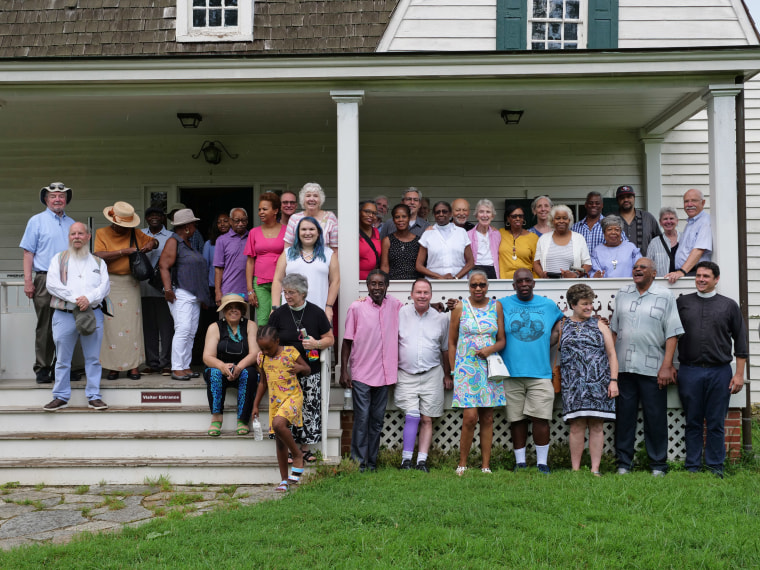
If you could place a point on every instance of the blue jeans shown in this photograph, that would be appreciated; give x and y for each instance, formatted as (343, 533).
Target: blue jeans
(654, 403)
(65, 336)
(369, 415)
(704, 394)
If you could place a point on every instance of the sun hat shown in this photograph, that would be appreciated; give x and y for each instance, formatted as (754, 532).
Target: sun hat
(231, 298)
(122, 214)
(182, 217)
(55, 187)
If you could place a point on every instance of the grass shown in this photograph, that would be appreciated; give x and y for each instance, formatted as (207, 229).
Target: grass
(437, 520)
(183, 499)
(163, 482)
(81, 489)
(112, 503)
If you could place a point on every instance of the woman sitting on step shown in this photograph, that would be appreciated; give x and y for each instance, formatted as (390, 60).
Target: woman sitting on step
(230, 354)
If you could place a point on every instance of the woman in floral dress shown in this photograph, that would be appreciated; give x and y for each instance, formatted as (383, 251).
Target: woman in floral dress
(476, 330)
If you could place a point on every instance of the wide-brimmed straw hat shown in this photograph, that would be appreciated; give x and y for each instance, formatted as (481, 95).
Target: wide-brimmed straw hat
(122, 214)
(182, 217)
(55, 187)
(231, 298)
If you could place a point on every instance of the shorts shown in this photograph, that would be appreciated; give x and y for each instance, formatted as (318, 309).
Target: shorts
(529, 397)
(423, 392)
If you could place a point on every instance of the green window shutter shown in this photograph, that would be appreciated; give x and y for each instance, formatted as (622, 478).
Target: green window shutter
(511, 24)
(602, 24)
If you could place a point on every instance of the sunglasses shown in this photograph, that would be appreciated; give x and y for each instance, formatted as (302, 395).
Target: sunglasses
(478, 285)
(436, 212)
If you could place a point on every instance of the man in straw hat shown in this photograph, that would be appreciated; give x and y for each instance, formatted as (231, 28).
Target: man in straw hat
(46, 235)
(123, 347)
(78, 283)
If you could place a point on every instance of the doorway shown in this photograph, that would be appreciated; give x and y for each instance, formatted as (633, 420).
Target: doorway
(208, 203)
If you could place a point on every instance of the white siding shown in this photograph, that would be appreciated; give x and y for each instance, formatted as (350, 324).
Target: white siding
(442, 25)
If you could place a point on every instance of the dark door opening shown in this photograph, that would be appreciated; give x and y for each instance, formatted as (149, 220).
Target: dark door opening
(208, 203)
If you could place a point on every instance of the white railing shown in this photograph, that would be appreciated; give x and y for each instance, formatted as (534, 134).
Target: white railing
(17, 324)
(325, 358)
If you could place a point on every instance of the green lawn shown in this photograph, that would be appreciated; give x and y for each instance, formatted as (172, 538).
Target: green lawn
(410, 519)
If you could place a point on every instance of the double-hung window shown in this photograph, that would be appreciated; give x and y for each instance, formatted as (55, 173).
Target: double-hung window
(214, 20)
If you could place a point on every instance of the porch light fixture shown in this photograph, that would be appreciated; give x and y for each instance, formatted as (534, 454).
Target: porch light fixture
(511, 117)
(189, 120)
(212, 153)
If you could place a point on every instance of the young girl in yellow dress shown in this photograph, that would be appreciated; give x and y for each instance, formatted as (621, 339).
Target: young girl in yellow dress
(279, 366)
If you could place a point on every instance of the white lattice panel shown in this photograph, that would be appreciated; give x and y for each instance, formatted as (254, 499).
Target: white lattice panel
(447, 429)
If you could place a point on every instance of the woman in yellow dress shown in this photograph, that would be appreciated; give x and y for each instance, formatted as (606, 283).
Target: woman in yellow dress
(518, 246)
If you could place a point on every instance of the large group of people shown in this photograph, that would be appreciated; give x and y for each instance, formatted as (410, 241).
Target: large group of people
(276, 286)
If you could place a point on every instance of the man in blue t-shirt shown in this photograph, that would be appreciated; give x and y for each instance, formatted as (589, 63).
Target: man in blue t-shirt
(529, 323)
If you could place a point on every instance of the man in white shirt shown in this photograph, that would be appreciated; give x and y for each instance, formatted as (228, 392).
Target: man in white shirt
(424, 372)
(78, 282)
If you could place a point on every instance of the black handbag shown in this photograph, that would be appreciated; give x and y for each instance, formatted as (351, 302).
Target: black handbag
(139, 264)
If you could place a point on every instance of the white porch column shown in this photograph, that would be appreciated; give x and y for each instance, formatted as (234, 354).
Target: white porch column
(721, 122)
(348, 198)
(653, 174)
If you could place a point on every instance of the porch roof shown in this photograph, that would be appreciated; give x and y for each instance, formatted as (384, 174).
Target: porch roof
(628, 90)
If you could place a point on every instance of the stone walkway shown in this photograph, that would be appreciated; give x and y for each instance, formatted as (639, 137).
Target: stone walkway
(33, 515)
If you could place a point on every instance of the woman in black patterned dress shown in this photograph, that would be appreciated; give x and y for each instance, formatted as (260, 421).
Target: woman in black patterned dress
(399, 249)
(589, 376)
(296, 317)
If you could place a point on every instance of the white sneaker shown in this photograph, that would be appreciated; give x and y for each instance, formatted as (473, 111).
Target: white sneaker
(623, 471)
(461, 469)
(658, 473)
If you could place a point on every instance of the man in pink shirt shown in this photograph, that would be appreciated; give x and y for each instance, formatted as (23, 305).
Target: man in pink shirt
(369, 364)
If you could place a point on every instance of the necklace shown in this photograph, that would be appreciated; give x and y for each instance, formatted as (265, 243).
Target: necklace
(78, 269)
(237, 337)
(514, 246)
(299, 321)
(309, 255)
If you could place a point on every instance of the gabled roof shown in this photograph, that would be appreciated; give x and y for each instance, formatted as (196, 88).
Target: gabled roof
(71, 28)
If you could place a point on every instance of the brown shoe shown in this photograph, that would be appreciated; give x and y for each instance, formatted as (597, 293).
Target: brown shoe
(148, 370)
(97, 405)
(55, 405)
(166, 372)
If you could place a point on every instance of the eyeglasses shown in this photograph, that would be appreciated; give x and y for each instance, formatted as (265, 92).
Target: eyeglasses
(516, 216)
(373, 212)
(436, 212)
(239, 220)
(478, 285)
(289, 293)
(287, 201)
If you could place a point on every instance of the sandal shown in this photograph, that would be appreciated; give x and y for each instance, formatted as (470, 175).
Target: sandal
(485, 470)
(283, 487)
(461, 469)
(242, 428)
(295, 475)
(215, 429)
(308, 456)
(596, 473)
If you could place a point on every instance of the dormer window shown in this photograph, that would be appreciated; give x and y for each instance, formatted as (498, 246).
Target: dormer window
(214, 20)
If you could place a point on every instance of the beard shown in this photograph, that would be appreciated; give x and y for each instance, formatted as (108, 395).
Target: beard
(79, 253)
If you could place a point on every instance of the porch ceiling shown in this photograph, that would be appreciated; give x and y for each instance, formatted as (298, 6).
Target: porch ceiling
(44, 105)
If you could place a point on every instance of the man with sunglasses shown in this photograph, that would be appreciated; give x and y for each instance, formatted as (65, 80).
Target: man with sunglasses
(46, 235)
(646, 327)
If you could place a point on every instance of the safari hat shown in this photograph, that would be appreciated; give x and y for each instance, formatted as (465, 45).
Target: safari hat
(55, 187)
(122, 214)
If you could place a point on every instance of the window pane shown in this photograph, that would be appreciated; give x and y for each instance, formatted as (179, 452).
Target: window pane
(539, 31)
(555, 8)
(537, 46)
(214, 17)
(571, 46)
(571, 31)
(555, 31)
(230, 17)
(230, 2)
(572, 9)
(199, 18)
(199, 3)
(554, 45)
(539, 8)
(214, 2)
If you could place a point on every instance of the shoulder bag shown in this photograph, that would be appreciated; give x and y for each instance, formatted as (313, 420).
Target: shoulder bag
(497, 369)
(139, 264)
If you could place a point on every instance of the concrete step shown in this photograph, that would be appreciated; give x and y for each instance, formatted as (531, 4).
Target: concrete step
(134, 471)
(81, 419)
(145, 444)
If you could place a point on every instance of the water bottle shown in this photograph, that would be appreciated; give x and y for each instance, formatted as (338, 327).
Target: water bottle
(347, 403)
(258, 435)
